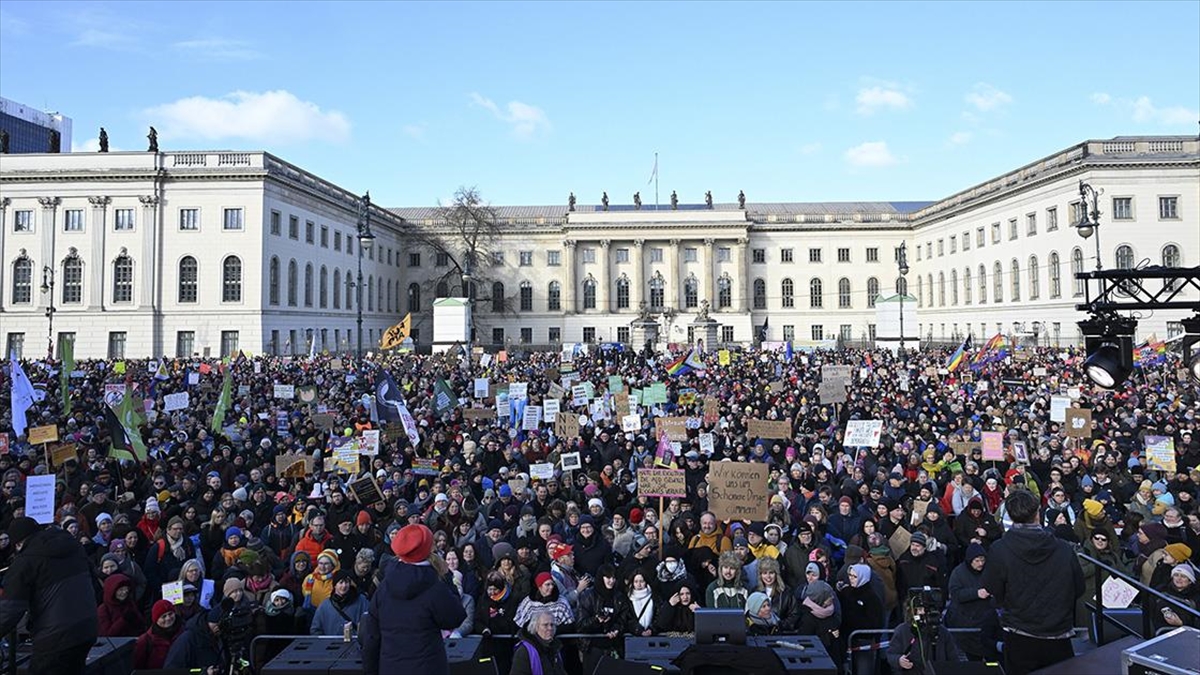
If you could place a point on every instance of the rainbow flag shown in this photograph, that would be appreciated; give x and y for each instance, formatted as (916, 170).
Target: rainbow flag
(1151, 352)
(685, 364)
(959, 356)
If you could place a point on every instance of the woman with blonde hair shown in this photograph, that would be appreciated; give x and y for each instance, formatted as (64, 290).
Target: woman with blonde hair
(783, 602)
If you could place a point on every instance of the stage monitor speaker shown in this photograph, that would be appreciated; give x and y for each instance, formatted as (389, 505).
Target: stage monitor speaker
(109, 656)
(314, 656)
(799, 653)
(656, 651)
(610, 666)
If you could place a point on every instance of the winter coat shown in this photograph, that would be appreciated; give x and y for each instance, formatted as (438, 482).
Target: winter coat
(150, 650)
(328, 620)
(883, 566)
(548, 654)
(1035, 579)
(861, 609)
(119, 619)
(590, 554)
(967, 609)
(411, 601)
(496, 616)
(719, 595)
(197, 647)
(161, 566)
(49, 578)
(603, 611)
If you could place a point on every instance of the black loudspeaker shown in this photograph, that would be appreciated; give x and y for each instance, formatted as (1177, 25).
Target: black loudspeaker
(800, 654)
(655, 651)
(109, 656)
(463, 654)
(610, 666)
(315, 656)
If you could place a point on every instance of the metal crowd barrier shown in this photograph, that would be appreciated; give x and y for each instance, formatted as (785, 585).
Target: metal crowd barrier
(1146, 596)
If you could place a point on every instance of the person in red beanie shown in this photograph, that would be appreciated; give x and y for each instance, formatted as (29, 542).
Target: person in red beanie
(150, 650)
(401, 632)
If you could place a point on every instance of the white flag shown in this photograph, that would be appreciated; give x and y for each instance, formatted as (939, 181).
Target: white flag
(654, 173)
(410, 426)
(22, 394)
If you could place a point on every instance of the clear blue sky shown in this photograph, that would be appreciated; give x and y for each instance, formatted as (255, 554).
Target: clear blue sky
(787, 101)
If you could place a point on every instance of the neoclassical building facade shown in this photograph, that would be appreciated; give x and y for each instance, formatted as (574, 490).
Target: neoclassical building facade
(176, 253)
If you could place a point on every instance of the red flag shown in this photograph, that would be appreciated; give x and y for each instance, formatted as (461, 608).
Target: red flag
(205, 369)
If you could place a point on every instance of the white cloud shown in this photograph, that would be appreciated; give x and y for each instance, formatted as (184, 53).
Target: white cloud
(985, 97)
(961, 137)
(92, 145)
(271, 116)
(880, 97)
(526, 120)
(871, 154)
(1143, 110)
(810, 148)
(217, 49)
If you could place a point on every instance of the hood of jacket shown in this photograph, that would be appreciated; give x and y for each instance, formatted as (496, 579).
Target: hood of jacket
(1032, 545)
(111, 585)
(405, 582)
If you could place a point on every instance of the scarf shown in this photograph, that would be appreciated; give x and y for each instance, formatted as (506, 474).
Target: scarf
(313, 578)
(819, 611)
(502, 595)
(272, 610)
(643, 606)
(231, 555)
(177, 548)
(255, 587)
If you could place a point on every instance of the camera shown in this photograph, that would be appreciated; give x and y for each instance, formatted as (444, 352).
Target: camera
(926, 604)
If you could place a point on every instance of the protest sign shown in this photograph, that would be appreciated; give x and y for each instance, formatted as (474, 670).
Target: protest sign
(482, 387)
(173, 402)
(336, 364)
(1020, 452)
(776, 386)
(541, 471)
(566, 426)
(172, 592)
(863, 433)
(1117, 593)
(479, 413)
(423, 466)
(43, 434)
(39, 498)
(738, 490)
(621, 404)
(832, 391)
(502, 407)
(712, 410)
(61, 454)
(579, 397)
(293, 465)
(517, 485)
(674, 427)
(779, 429)
(842, 373)
(1058, 408)
(615, 384)
(366, 490)
(556, 391)
(723, 357)
(655, 393)
(661, 483)
(571, 461)
(706, 444)
(285, 391)
(550, 408)
(992, 444)
(631, 423)
(899, 541)
(687, 396)
(1079, 422)
(531, 418)
(370, 442)
(1160, 453)
(324, 421)
(518, 390)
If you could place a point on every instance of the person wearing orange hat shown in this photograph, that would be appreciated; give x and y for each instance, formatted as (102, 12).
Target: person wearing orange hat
(401, 631)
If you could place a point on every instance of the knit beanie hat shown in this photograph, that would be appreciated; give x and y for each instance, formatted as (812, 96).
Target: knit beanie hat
(1179, 551)
(755, 602)
(1184, 570)
(1092, 507)
(412, 543)
(975, 550)
(541, 579)
(161, 607)
(363, 518)
(232, 584)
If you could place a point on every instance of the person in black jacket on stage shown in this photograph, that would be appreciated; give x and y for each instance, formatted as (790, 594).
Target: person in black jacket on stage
(1035, 579)
(50, 578)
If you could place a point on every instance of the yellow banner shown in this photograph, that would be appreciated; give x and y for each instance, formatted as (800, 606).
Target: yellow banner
(397, 334)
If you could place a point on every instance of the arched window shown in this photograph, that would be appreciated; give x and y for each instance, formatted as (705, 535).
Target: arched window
(658, 287)
(691, 292)
(920, 291)
(968, 291)
(273, 281)
(497, 296)
(72, 290)
(997, 282)
(231, 279)
(1171, 258)
(872, 291)
(816, 294)
(189, 274)
(526, 296)
(843, 293)
(789, 293)
(902, 285)
(123, 279)
(308, 285)
(1034, 278)
(22, 290)
(589, 293)
(1055, 276)
(379, 296)
(954, 288)
(941, 289)
(1124, 257)
(291, 289)
(388, 297)
(554, 297)
(414, 297)
(442, 290)
(337, 288)
(323, 288)
(983, 287)
(929, 279)
(623, 292)
(1076, 270)
(725, 291)
(1015, 280)
(371, 293)
(760, 294)
(350, 288)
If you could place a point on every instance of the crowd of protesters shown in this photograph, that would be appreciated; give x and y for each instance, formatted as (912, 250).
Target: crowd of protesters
(582, 550)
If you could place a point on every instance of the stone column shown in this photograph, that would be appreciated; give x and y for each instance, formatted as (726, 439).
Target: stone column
(674, 278)
(568, 295)
(46, 255)
(4, 204)
(99, 224)
(742, 258)
(602, 284)
(710, 263)
(638, 284)
(147, 268)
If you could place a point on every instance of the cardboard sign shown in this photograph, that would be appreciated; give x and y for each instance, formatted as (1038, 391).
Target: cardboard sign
(336, 364)
(843, 373)
(179, 401)
(962, 448)
(776, 387)
(832, 392)
(1058, 408)
(675, 428)
(324, 421)
(293, 465)
(1079, 422)
(631, 423)
(45, 434)
(550, 408)
(172, 592)
(707, 444)
(712, 410)
(566, 426)
(541, 471)
(1039, 371)
(366, 490)
(621, 404)
(61, 454)
(571, 461)
(479, 413)
(863, 433)
(39, 498)
(285, 391)
(556, 391)
(738, 490)
(777, 429)
(661, 483)
(370, 442)
(899, 541)
(517, 485)
(531, 418)
(992, 444)
(1160, 453)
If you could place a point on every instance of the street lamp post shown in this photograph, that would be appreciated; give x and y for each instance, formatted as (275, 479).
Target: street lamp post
(902, 264)
(48, 290)
(1089, 220)
(365, 241)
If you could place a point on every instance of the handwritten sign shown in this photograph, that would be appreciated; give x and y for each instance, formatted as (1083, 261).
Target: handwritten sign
(541, 471)
(738, 490)
(863, 433)
(615, 384)
(1058, 408)
(723, 357)
(61, 454)
(631, 423)
(366, 490)
(621, 404)
(661, 483)
(285, 391)
(479, 413)
(712, 410)
(177, 401)
(45, 434)
(993, 446)
(482, 386)
(675, 428)
(39, 498)
(780, 429)
(550, 409)
(655, 393)
(1079, 422)
(1160, 453)
(566, 426)
(531, 418)
(571, 461)
(293, 465)
(172, 592)
(707, 444)
(370, 442)
(1117, 593)
(899, 541)
(832, 391)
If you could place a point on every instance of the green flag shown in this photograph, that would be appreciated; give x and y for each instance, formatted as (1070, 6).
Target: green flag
(129, 418)
(218, 419)
(444, 399)
(64, 377)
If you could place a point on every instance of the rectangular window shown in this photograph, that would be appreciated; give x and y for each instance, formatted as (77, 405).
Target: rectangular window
(189, 220)
(185, 343)
(814, 255)
(789, 333)
(1051, 219)
(995, 233)
(310, 231)
(349, 245)
(233, 221)
(724, 254)
(941, 243)
(689, 254)
(873, 254)
(229, 342)
(622, 256)
(324, 236)
(1012, 229)
(554, 334)
(785, 255)
(23, 222)
(966, 239)
(929, 249)
(818, 332)
(73, 220)
(1168, 208)
(656, 254)
(123, 221)
(871, 332)
(919, 247)
(526, 336)
(294, 227)
(588, 255)
(953, 244)
(526, 258)
(72, 290)
(589, 334)
(414, 259)
(116, 345)
(726, 333)
(497, 258)
(844, 332)
(1030, 224)
(337, 241)
(979, 237)
(843, 255)
(442, 259)
(1122, 208)
(498, 335)
(759, 256)
(16, 345)
(623, 334)
(276, 223)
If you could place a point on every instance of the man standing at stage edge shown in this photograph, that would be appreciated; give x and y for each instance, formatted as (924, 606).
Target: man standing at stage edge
(50, 578)
(1035, 579)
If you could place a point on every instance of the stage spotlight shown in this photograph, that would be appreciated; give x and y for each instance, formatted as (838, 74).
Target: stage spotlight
(1191, 336)
(1109, 342)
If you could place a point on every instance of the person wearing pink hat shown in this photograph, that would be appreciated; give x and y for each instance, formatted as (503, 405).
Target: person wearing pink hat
(401, 631)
